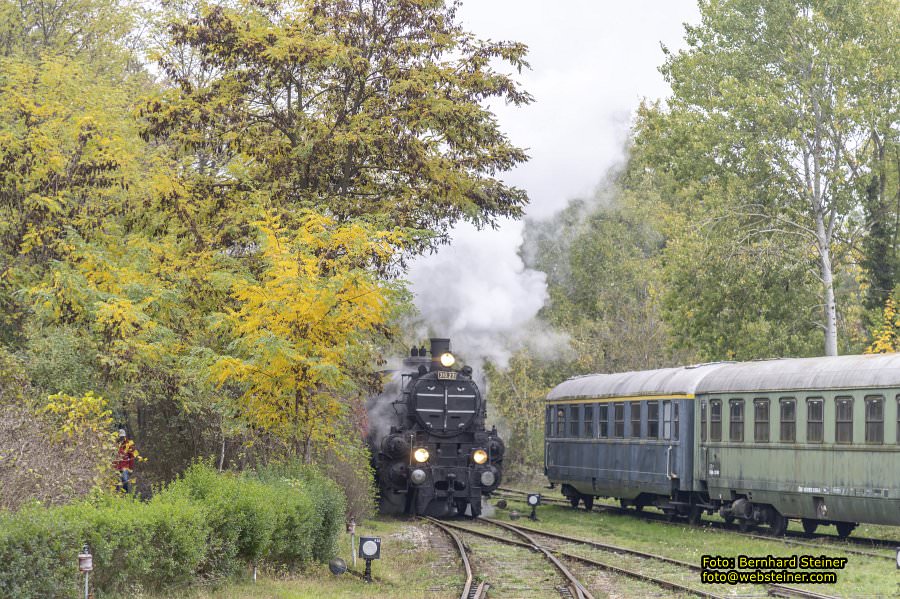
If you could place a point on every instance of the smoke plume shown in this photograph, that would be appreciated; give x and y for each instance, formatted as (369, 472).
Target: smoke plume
(479, 293)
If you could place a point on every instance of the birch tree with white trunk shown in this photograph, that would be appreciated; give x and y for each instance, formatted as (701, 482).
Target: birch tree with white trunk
(791, 96)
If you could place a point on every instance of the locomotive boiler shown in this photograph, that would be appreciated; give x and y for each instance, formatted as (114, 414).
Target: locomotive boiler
(436, 458)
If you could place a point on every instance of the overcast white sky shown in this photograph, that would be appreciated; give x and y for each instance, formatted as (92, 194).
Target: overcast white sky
(591, 64)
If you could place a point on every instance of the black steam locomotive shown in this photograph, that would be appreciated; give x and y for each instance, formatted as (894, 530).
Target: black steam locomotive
(436, 458)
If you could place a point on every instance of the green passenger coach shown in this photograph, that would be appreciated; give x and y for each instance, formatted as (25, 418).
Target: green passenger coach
(817, 439)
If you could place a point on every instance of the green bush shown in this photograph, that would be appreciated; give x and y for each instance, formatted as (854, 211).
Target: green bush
(311, 512)
(204, 524)
(39, 552)
(239, 512)
(134, 546)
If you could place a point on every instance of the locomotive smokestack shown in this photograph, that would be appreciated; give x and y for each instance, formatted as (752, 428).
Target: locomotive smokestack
(438, 348)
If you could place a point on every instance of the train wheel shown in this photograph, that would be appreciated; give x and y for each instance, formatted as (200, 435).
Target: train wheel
(745, 525)
(476, 509)
(844, 528)
(729, 520)
(809, 525)
(573, 501)
(777, 523)
(588, 502)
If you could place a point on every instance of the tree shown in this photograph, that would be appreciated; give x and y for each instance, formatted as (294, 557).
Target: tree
(787, 95)
(298, 324)
(886, 334)
(369, 110)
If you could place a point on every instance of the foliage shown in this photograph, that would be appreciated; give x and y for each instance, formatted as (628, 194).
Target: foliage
(37, 440)
(295, 325)
(134, 546)
(517, 396)
(370, 110)
(777, 102)
(204, 524)
(886, 333)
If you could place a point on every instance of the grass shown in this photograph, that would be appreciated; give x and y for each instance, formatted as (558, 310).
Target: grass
(408, 569)
(862, 577)
(418, 562)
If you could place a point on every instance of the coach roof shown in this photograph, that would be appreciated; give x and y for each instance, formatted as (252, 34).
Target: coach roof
(785, 374)
(665, 381)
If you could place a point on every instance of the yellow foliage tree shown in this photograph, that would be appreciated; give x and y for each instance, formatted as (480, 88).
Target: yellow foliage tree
(300, 323)
(886, 337)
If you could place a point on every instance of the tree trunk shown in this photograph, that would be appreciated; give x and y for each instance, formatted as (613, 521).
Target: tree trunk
(828, 287)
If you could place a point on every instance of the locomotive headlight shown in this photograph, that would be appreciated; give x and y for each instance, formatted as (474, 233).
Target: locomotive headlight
(488, 479)
(418, 476)
(421, 455)
(479, 456)
(447, 360)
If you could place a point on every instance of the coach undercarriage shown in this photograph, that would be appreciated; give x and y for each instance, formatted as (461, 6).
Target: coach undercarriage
(738, 509)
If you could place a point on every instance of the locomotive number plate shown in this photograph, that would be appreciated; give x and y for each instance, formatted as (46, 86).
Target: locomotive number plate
(446, 375)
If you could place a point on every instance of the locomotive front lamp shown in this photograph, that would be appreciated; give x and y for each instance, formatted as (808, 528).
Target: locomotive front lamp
(479, 456)
(369, 549)
(421, 455)
(447, 360)
(418, 476)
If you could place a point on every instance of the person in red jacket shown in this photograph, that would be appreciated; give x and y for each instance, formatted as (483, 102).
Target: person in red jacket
(125, 461)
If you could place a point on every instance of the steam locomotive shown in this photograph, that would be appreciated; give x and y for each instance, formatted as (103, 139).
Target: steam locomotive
(436, 458)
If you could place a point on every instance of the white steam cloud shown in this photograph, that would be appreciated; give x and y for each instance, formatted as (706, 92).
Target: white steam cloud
(479, 293)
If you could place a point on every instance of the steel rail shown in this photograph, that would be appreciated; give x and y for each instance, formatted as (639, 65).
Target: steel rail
(774, 589)
(580, 590)
(838, 544)
(672, 586)
(468, 592)
(574, 585)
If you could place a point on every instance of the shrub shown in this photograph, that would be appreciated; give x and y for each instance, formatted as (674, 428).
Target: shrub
(204, 523)
(39, 550)
(134, 546)
(239, 511)
(311, 512)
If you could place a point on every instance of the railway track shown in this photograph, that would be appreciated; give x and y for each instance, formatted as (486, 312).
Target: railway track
(471, 589)
(776, 590)
(790, 539)
(529, 540)
(572, 589)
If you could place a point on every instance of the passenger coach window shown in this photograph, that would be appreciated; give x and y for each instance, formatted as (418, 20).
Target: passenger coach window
(667, 420)
(548, 426)
(603, 415)
(815, 427)
(675, 419)
(619, 420)
(561, 422)
(636, 419)
(715, 420)
(843, 431)
(653, 420)
(588, 430)
(788, 419)
(736, 420)
(703, 420)
(761, 420)
(874, 419)
(573, 421)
